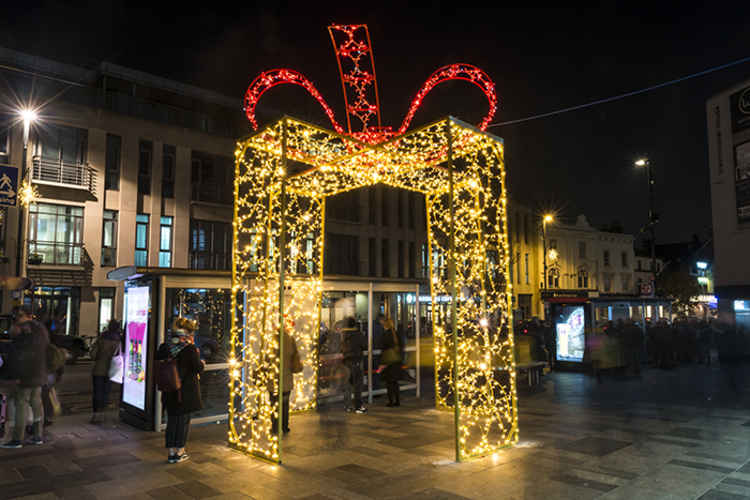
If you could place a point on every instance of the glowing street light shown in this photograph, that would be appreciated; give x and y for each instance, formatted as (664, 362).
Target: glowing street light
(28, 192)
(546, 219)
(640, 163)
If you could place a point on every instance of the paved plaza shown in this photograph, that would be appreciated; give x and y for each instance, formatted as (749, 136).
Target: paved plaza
(670, 434)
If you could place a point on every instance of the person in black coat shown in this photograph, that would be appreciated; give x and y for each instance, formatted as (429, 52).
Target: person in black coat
(186, 400)
(28, 364)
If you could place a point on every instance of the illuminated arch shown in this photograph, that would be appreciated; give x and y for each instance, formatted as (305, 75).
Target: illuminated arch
(283, 176)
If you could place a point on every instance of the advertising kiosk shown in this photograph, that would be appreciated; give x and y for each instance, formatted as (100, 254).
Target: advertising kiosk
(137, 406)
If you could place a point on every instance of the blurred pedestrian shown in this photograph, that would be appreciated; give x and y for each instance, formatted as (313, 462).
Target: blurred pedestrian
(107, 346)
(292, 365)
(353, 346)
(391, 361)
(29, 359)
(179, 369)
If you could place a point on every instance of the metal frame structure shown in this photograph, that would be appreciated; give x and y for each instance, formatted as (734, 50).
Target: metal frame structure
(283, 175)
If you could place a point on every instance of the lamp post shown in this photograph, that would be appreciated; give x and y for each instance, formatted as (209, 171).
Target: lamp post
(546, 218)
(643, 162)
(28, 116)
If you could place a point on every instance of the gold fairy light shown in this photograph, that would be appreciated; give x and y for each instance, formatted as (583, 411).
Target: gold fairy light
(283, 175)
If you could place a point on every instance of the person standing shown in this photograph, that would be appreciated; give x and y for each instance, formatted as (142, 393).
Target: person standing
(391, 358)
(292, 365)
(108, 345)
(352, 347)
(181, 355)
(29, 360)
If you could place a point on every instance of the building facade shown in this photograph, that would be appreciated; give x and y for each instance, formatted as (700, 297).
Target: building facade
(583, 258)
(728, 125)
(130, 168)
(524, 237)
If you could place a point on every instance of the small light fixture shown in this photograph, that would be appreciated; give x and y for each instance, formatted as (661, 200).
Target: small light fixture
(549, 218)
(701, 265)
(641, 162)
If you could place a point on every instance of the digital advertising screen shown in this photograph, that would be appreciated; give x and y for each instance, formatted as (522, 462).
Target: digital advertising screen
(136, 345)
(571, 337)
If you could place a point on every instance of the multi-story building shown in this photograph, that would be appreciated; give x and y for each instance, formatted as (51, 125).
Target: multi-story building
(131, 169)
(128, 168)
(728, 120)
(524, 236)
(598, 269)
(583, 258)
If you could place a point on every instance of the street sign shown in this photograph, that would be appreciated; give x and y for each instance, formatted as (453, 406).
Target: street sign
(8, 186)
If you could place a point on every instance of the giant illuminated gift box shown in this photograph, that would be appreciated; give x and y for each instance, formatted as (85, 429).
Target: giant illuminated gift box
(283, 176)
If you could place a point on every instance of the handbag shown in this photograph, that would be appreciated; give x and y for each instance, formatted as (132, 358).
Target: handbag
(116, 365)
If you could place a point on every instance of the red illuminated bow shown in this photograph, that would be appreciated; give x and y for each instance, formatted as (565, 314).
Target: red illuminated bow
(357, 71)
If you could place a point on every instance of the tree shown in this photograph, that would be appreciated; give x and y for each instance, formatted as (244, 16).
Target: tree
(680, 287)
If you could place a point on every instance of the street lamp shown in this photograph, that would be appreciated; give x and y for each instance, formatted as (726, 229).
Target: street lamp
(643, 162)
(546, 219)
(28, 116)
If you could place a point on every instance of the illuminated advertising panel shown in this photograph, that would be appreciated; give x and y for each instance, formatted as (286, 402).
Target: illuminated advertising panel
(136, 345)
(571, 338)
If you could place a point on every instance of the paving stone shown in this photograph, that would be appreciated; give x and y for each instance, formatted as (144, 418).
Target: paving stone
(594, 446)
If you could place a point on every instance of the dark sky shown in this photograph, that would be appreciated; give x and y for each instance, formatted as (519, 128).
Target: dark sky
(540, 60)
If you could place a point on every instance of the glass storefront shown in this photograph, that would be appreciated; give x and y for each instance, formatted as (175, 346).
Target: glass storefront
(211, 308)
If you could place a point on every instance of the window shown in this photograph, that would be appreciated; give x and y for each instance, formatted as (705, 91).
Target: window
(384, 205)
(400, 203)
(141, 240)
(624, 259)
(169, 156)
(412, 209)
(372, 206)
(606, 257)
(412, 260)
(625, 277)
(112, 162)
(401, 260)
(210, 244)
(211, 178)
(518, 227)
(552, 244)
(165, 242)
(742, 181)
(518, 267)
(607, 282)
(55, 234)
(343, 207)
(58, 145)
(425, 263)
(145, 155)
(582, 249)
(4, 141)
(553, 278)
(526, 228)
(109, 238)
(341, 254)
(526, 262)
(385, 252)
(106, 306)
(583, 278)
(371, 257)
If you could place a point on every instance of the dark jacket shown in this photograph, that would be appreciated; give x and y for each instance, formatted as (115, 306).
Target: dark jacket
(29, 358)
(104, 350)
(353, 345)
(189, 366)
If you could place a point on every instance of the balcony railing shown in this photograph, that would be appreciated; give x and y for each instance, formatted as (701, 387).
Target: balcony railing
(49, 252)
(76, 175)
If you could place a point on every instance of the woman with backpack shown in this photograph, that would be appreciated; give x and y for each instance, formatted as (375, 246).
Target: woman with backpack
(108, 345)
(178, 377)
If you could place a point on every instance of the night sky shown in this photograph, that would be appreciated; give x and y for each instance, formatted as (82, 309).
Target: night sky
(540, 60)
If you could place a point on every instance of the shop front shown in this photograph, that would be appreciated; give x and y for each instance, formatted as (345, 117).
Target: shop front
(155, 297)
